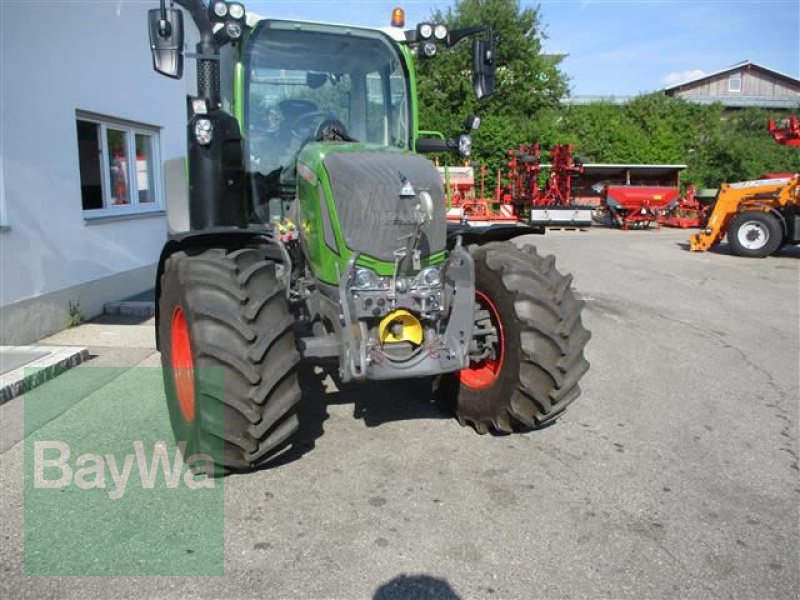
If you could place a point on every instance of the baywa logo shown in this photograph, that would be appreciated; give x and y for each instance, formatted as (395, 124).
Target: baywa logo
(52, 468)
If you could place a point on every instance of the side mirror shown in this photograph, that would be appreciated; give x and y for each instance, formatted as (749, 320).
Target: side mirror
(166, 41)
(483, 65)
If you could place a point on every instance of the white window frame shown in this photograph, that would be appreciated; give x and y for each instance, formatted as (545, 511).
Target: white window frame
(735, 77)
(131, 129)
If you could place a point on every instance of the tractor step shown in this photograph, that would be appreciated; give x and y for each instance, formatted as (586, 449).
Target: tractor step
(327, 346)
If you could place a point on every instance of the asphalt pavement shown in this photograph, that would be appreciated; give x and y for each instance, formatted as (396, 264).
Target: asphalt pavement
(674, 475)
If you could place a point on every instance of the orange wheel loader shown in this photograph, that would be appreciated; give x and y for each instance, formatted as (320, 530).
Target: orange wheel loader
(758, 217)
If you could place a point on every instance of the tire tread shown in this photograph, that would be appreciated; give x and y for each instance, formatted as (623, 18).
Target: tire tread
(240, 323)
(552, 338)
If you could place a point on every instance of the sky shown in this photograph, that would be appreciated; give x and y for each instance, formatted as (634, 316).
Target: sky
(616, 47)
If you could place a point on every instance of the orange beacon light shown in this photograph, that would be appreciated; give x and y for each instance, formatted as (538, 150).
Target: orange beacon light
(398, 17)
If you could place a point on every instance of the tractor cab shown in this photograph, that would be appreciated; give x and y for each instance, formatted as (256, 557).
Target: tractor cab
(326, 84)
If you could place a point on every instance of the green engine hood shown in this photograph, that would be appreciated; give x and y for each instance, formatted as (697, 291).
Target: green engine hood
(364, 198)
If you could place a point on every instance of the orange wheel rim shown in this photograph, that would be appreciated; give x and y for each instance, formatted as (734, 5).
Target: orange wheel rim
(182, 364)
(484, 374)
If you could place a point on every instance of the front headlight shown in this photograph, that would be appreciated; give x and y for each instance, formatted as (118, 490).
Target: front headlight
(220, 9)
(363, 279)
(430, 276)
(233, 29)
(236, 11)
(464, 145)
(429, 49)
(425, 30)
(204, 131)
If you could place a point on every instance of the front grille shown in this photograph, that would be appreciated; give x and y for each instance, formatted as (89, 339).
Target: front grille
(374, 217)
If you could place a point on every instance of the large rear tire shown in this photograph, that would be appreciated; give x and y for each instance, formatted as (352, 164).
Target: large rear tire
(534, 372)
(228, 354)
(755, 234)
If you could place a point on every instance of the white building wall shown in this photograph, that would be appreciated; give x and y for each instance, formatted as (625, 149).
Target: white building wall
(59, 57)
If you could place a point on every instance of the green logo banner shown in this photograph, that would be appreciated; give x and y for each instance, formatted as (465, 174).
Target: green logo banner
(107, 491)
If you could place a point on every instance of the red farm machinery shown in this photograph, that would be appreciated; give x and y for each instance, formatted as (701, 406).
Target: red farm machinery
(788, 133)
(524, 196)
(470, 206)
(547, 201)
(638, 206)
(635, 196)
(687, 212)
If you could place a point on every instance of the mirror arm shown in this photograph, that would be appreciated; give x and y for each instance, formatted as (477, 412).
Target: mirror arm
(457, 35)
(164, 28)
(208, 48)
(431, 145)
(453, 37)
(197, 10)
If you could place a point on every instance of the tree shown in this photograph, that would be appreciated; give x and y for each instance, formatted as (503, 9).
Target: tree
(716, 145)
(527, 82)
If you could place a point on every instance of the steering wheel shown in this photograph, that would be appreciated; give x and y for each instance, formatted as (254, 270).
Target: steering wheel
(332, 130)
(304, 122)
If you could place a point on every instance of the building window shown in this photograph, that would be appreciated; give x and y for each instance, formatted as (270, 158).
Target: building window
(119, 167)
(735, 82)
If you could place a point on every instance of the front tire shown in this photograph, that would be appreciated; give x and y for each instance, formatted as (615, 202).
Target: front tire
(228, 355)
(533, 375)
(755, 234)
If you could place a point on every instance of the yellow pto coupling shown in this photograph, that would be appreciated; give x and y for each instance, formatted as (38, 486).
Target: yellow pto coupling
(400, 326)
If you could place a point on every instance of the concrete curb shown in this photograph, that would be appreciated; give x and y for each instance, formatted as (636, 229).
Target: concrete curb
(58, 359)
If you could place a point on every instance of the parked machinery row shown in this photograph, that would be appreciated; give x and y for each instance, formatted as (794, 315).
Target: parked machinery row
(524, 195)
(535, 193)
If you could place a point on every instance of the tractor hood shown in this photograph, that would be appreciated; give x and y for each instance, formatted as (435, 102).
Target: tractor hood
(376, 195)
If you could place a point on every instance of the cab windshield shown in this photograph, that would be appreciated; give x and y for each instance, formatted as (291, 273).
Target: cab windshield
(309, 82)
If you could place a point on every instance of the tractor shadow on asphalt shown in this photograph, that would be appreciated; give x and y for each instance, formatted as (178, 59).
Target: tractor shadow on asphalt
(374, 402)
(417, 586)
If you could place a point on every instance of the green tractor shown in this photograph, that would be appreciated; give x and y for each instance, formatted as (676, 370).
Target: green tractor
(316, 231)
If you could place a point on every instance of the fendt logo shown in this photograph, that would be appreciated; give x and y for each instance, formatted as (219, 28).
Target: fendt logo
(408, 190)
(89, 470)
